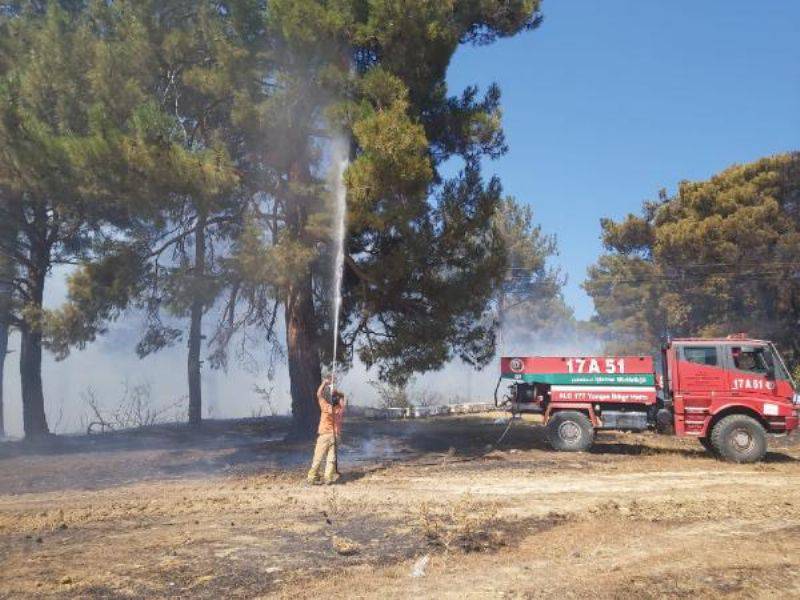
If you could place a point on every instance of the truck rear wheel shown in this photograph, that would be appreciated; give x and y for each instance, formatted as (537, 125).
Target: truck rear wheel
(570, 431)
(739, 438)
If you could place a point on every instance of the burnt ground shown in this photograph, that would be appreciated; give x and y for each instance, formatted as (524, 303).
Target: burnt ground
(225, 514)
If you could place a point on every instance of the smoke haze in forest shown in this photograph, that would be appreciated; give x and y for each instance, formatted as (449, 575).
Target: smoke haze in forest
(108, 364)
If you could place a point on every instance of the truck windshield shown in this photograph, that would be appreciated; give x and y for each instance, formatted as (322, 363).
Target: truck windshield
(781, 372)
(761, 360)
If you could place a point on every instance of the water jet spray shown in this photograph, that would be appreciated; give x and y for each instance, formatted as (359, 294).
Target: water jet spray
(341, 161)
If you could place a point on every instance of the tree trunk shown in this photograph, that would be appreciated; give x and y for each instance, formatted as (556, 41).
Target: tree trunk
(34, 420)
(6, 274)
(305, 373)
(303, 357)
(196, 325)
(501, 315)
(3, 352)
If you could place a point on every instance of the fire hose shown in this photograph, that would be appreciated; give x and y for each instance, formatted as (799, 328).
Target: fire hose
(497, 404)
(505, 431)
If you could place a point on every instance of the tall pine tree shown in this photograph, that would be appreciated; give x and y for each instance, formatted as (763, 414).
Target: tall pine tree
(59, 158)
(39, 110)
(225, 114)
(720, 256)
(529, 300)
(423, 258)
(189, 165)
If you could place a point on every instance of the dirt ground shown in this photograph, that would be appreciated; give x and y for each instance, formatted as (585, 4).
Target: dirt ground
(427, 509)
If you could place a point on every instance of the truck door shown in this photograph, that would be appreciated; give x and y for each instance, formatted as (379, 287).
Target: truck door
(748, 366)
(701, 379)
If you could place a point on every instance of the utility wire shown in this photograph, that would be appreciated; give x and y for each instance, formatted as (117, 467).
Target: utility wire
(747, 277)
(739, 265)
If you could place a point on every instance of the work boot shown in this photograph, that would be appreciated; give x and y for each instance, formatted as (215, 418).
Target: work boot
(313, 478)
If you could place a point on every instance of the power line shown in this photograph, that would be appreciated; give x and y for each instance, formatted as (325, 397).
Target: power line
(748, 277)
(768, 270)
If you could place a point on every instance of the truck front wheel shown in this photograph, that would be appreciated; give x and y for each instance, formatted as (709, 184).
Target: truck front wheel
(570, 431)
(739, 438)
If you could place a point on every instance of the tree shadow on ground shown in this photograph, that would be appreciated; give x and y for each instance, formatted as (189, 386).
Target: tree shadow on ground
(257, 446)
(173, 436)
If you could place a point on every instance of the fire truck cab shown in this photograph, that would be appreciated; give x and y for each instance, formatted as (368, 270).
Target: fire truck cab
(727, 392)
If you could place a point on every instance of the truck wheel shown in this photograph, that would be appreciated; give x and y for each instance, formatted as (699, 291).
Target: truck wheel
(665, 422)
(570, 431)
(739, 438)
(706, 443)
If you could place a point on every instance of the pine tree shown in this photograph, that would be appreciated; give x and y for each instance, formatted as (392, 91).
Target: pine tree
(719, 257)
(209, 68)
(216, 124)
(199, 67)
(7, 242)
(530, 304)
(55, 149)
(423, 259)
(35, 121)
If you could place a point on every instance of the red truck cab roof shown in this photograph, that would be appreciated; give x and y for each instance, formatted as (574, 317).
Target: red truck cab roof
(738, 338)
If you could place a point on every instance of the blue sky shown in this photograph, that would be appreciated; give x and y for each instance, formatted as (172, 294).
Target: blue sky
(611, 100)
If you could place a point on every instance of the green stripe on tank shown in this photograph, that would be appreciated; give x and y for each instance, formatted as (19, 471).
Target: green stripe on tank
(582, 379)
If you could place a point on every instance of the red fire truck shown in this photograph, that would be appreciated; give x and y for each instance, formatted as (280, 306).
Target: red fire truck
(728, 393)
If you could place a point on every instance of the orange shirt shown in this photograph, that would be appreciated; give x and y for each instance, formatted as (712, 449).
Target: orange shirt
(331, 417)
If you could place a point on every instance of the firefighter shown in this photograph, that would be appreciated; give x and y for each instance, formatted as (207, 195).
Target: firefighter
(331, 405)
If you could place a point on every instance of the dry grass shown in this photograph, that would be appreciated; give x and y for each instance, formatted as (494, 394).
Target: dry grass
(466, 525)
(646, 516)
(345, 546)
